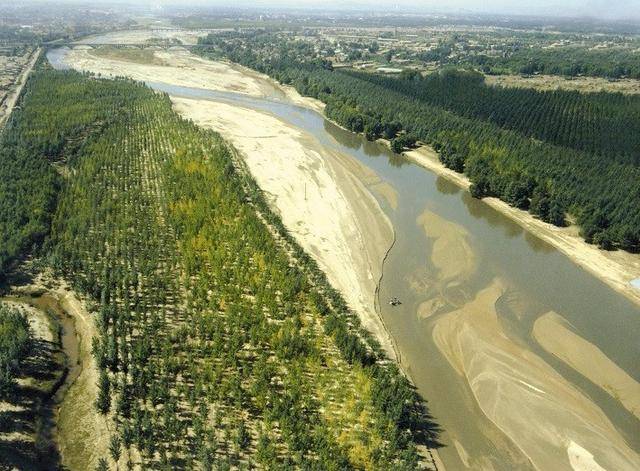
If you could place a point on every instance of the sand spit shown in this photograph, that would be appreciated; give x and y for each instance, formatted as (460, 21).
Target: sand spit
(181, 68)
(321, 202)
(554, 334)
(617, 269)
(560, 428)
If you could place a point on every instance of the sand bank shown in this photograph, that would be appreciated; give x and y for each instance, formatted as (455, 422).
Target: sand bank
(554, 334)
(181, 68)
(560, 428)
(146, 36)
(322, 202)
(617, 269)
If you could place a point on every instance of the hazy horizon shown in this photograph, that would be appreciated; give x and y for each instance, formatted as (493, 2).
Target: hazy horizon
(594, 9)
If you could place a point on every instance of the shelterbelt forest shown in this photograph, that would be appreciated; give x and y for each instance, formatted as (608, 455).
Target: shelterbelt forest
(278, 235)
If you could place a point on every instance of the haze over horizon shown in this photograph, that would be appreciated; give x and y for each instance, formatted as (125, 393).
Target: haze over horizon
(594, 9)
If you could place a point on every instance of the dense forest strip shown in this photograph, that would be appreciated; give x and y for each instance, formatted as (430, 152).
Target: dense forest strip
(549, 180)
(606, 124)
(217, 347)
(44, 133)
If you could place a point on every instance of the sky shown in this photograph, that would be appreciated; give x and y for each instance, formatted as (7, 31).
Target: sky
(597, 9)
(608, 9)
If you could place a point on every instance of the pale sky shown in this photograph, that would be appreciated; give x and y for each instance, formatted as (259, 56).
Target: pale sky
(598, 9)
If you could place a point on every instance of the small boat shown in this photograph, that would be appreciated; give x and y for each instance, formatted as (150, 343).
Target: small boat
(395, 301)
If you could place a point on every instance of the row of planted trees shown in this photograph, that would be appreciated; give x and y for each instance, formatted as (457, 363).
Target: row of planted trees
(534, 158)
(221, 344)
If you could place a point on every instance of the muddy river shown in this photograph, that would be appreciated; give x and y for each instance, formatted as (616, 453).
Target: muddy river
(526, 360)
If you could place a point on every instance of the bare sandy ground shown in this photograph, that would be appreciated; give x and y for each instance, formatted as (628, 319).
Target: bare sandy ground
(555, 335)
(554, 424)
(321, 201)
(182, 69)
(617, 269)
(188, 70)
(142, 36)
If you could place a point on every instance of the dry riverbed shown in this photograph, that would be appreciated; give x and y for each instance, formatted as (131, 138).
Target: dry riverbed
(68, 418)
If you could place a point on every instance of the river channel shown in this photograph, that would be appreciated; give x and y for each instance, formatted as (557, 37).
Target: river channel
(525, 359)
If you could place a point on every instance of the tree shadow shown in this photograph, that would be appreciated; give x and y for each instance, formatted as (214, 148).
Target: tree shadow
(27, 424)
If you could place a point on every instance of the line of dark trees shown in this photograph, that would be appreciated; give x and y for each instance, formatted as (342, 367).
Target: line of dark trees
(607, 124)
(569, 61)
(15, 344)
(601, 189)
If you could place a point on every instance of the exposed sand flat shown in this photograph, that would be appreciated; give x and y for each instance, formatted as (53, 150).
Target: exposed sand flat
(617, 269)
(554, 334)
(182, 68)
(451, 253)
(142, 36)
(560, 428)
(321, 201)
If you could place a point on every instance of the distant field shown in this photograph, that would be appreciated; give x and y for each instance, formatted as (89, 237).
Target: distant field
(554, 82)
(129, 54)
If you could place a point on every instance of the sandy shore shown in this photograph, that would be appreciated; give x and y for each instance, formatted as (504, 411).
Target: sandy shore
(321, 201)
(554, 424)
(556, 336)
(180, 67)
(617, 269)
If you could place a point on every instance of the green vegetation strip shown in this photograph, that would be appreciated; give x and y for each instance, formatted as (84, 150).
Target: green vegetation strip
(552, 153)
(15, 343)
(221, 344)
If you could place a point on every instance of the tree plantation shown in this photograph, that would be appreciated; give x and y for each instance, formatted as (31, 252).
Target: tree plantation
(221, 343)
(15, 343)
(553, 153)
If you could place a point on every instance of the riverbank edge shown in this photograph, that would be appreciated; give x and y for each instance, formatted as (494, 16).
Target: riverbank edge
(618, 275)
(599, 263)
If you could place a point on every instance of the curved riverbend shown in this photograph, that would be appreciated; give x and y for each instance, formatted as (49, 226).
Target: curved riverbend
(476, 293)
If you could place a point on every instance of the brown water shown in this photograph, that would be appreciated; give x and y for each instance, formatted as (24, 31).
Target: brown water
(438, 268)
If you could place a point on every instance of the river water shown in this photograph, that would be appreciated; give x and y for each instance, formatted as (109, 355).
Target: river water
(451, 248)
